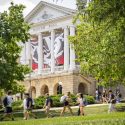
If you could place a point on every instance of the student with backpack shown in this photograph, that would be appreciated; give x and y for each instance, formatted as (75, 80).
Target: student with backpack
(7, 103)
(63, 98)
(66, 99)
(112, 101)
(48, 104)
(28, 104)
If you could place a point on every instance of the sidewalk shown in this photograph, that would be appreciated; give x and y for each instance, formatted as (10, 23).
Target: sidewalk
(73, 107)
(59, 108)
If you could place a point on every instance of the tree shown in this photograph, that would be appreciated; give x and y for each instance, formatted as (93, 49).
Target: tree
(13, 30)
(100, 40)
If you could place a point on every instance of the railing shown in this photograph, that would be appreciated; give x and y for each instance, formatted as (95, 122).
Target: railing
(47, 71)
(59, 68)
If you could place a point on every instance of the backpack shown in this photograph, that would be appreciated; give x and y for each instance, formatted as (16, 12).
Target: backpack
(33, 103)
(113, 99)
(29, 100)
(63, 99)
(51, 102)
(5, 102)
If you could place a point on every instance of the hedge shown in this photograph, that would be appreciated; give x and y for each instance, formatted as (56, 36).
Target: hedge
(39, 102)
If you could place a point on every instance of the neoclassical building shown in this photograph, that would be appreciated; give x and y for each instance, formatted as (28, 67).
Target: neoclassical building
(50, 55)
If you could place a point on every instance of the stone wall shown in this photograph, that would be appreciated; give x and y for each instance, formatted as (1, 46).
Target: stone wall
(72, 82)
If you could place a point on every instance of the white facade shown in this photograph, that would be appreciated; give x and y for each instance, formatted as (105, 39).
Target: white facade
(53, 24)
(50, 54)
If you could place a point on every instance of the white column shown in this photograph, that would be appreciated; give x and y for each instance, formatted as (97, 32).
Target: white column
(25, 53)
(72, 52)
(66, 49)
(52, 51)
(40, 53)
(28, 51)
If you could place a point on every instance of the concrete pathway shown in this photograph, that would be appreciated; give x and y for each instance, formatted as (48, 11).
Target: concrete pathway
(59, 108)
(73, 107)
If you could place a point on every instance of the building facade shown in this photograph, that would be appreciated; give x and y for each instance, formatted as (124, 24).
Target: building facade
(50, 55)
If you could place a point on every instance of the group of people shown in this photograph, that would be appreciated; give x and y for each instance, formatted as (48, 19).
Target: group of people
(104, 96)
(108, 97)
(66, 99)
(28, 104)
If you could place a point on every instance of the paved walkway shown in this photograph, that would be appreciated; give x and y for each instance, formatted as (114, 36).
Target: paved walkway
(73, 107)
(59, 108)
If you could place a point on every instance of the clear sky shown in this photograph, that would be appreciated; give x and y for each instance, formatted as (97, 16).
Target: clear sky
(30, 4)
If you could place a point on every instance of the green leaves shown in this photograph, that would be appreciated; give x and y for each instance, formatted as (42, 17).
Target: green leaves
(13, 29)
(100, 41)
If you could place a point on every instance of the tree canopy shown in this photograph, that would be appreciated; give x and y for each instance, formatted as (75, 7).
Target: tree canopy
(100, 40)
(13, 30)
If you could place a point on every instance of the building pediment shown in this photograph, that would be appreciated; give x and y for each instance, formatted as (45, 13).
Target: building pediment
(46, 11)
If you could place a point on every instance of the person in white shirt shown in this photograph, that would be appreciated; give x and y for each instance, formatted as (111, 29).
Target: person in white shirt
(66, 103)
(26, 115)
(7, 102)
(80, 101)
(97, 95)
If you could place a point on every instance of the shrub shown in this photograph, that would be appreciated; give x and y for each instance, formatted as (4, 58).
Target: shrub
(39, 102)
(17, 105)
(90, 99)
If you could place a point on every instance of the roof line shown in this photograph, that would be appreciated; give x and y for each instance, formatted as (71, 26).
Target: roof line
(65, 9)
(59, 6)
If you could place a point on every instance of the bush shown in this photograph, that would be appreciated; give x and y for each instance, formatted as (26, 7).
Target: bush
(90, 99)
(39, 102)
(17, 105)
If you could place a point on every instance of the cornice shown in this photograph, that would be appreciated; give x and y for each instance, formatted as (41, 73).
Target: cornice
(52, 20)
(42, 3)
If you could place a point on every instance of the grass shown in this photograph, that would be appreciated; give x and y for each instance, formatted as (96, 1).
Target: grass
(75, 120)
(93, 116)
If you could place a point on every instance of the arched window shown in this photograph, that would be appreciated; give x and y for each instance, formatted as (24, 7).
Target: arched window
(44, 90)
(32, 91)
(57, 89)
(82, 88)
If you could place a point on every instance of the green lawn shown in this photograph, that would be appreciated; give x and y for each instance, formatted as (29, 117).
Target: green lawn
(93, 116)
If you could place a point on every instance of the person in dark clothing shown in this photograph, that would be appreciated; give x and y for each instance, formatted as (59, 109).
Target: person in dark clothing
(112, 101)
(7, 102)
(48, 105)
(28, 106)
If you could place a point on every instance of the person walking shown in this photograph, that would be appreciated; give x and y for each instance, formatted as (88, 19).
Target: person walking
(81, 102)
(118, 96)
(48, 104)
(66, 104)
(112, 101)
(97, 95)
(7, 102)
(28, 106)
(104, 97)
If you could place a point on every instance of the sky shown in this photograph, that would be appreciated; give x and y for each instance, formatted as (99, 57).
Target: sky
(30, 4)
